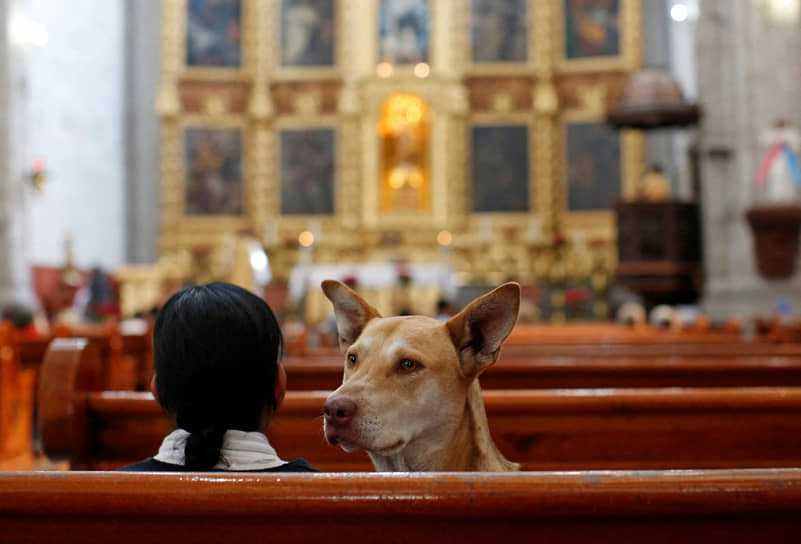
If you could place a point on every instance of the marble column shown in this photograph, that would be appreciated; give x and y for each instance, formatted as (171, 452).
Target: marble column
(141, 130)
(14, 270)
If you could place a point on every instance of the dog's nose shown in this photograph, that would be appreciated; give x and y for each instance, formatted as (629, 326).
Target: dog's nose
(339, 410)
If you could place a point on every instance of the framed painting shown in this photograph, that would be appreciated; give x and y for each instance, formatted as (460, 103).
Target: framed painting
(214, 34)
(599, 35)
(499, 31)
(308, 33)
(500, 169)
(403, 31)
(213, 171)
(592, 28)
(594, 166)
(308, 163)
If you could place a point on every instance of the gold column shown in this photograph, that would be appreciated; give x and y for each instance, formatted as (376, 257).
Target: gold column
(261, 161)
(548, 195)
(168, 107)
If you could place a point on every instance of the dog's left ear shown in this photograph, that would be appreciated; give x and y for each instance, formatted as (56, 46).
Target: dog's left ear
(352, 311)
(480, 329)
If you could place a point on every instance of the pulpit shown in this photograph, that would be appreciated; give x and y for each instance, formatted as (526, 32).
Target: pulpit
(659, 250)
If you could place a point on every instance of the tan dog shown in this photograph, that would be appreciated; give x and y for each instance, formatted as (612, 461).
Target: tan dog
(410, 395)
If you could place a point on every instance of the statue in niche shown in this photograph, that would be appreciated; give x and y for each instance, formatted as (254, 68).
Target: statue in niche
(404, 132)
(779, 172)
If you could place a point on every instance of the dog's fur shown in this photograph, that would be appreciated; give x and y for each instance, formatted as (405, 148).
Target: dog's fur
(430, 417)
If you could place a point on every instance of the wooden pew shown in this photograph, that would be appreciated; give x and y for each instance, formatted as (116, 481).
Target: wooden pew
(542, 429)
(128, 355)
(610, 333)
(683, 350)
(543, 372)
(732, 506)
(16, 405)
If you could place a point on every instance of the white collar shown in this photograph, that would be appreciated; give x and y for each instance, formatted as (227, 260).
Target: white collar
(240, 451)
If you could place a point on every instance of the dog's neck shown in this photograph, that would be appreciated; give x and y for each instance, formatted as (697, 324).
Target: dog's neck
(469, 446)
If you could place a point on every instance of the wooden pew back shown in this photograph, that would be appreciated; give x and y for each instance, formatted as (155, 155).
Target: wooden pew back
(599, 507)
(543, 372)
(16, 405)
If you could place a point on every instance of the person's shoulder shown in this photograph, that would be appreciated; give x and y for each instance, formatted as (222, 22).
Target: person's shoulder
(151, 465)
(298, 465)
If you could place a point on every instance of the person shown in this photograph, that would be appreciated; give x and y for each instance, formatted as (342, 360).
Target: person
(445, 310)
(217, 372)
(23, 319)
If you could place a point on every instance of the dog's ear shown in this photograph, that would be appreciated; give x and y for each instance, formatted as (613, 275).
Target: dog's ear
(352, 311)
(480, 329)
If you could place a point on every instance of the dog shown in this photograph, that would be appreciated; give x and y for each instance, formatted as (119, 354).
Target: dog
(410, 395)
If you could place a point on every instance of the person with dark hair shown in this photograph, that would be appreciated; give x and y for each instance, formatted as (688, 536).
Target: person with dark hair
(217, 372)
(22, 318)
(445, 310)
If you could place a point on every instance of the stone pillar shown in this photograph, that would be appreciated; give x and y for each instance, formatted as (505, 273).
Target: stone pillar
(748, 76)
(14, 270)
(141, 130)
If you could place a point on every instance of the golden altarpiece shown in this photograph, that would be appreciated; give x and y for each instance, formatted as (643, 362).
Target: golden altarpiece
(470, 131)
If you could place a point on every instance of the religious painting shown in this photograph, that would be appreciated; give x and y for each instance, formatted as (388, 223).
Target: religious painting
(500, 168)
(499, 30)
(592, 28)
(307, 33)
(594, 174)
(213, 171)
(214, 33)
(307, 171)
(403, 31)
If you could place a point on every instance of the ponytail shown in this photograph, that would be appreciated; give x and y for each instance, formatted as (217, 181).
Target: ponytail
(202, 450)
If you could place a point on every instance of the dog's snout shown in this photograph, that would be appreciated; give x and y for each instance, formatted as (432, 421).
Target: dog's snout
(339, 410)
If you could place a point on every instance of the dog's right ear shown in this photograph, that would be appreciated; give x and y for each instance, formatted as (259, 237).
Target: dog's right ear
(352, 311)
(478, 331)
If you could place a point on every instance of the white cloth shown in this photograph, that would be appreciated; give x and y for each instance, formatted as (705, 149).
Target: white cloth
(240, 451)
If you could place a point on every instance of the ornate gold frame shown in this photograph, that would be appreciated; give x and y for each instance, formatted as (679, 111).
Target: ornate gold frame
(630, 49)
(535, 202)
(250, 16)
(310, 73)
(600, 223)
(301, 222)
(465, 26)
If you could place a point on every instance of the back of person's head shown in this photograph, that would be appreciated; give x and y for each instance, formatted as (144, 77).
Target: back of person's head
(19, 315)
(216, 351)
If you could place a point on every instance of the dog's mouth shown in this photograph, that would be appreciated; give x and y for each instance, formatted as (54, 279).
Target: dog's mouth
(349, 441)
(337, 436)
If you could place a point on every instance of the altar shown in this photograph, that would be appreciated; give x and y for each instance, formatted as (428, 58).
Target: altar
(390, 287)
(481, 152)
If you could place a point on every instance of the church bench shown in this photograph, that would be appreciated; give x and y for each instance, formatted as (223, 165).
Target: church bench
(543, 429)
(608, 333)
(733, 506)
(732, 349)
(16, 405)
(129, 356)
(543, 372)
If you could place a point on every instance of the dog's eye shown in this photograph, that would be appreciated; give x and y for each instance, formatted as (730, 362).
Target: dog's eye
(407, 365)
(351, 359)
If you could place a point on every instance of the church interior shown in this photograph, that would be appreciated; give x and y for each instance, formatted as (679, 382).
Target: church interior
(631, 165)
